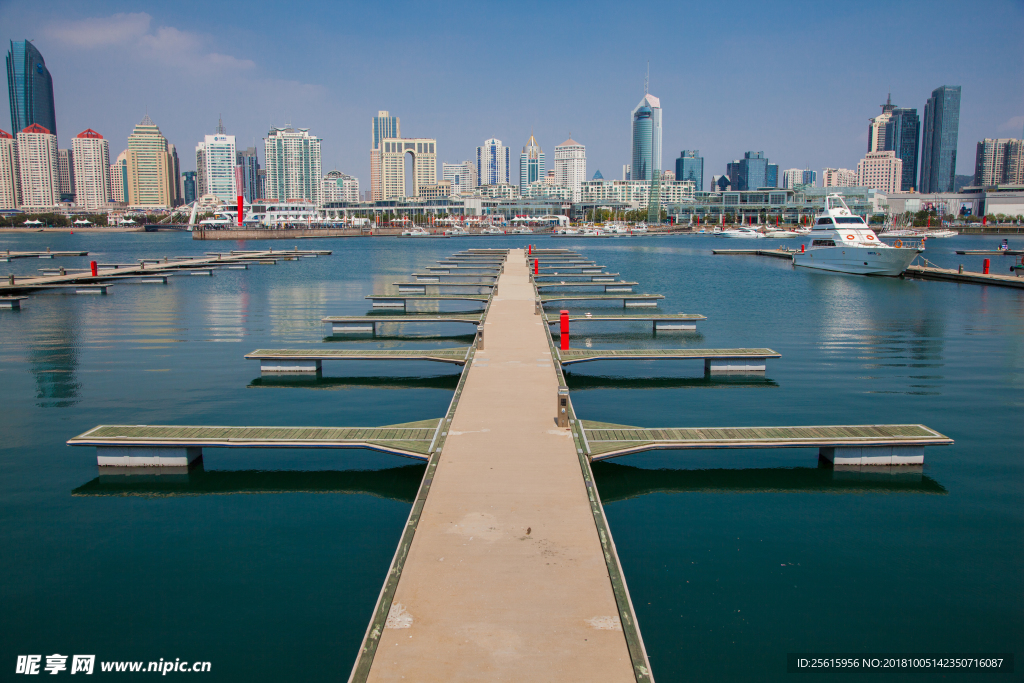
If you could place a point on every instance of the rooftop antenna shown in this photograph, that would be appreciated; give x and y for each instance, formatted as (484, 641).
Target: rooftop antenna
(220, 125)
(647, 78)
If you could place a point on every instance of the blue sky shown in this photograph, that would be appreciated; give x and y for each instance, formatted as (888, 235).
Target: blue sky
(798, 79)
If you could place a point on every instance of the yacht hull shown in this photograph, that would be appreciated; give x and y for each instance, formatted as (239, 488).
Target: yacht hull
(857, 260)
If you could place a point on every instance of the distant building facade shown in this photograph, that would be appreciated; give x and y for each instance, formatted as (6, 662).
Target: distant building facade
(188, 186)
(571, 166)
(646, 138)
(91, 155)
(939, 140)
(215, 166)
(462, 177)
(999, 162)
(902, 135)
(293, 167)
(65, 175)
(150, 168)
(10, 174)
(690, 166)
(636, 192)
(752, 172)
(339, 187)
(382, 126)
(30, 88)
(838, 177)
(37, 166)
(119, 178)
(796, 176)
(882, 171)
(493, 163)
(877, 127)
(249, 169)
(424, 165)
(531, 163)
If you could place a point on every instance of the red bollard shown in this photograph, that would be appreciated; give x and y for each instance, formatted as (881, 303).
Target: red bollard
(985, 271)
(92, 267)
(530, 250)
(802, 248)
(563, 319)
(536, 267)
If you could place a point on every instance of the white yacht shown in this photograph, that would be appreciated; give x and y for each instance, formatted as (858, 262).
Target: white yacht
(742, 233)
(842, 242)
(415, 232)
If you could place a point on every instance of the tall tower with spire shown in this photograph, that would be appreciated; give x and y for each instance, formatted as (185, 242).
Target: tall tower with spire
(531, 163)
(646, 121)
(876, 127)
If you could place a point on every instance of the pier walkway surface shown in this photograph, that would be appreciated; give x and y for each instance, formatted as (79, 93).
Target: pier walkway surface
(506, 578)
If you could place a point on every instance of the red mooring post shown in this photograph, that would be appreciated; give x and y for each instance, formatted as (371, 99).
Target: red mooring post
(536, 267)
(563, 331)
(240, 210)
(530, 247)
(92, 267)
(802, 248)
(986, 267)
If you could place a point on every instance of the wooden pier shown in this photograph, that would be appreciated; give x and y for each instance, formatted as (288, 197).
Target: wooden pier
(8, 255)
(966, 277)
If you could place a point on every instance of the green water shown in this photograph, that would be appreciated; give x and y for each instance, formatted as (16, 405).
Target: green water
(268, 563)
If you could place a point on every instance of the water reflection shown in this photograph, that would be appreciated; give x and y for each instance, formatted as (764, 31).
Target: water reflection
(621, 482)
(54, 360)
(395, 483)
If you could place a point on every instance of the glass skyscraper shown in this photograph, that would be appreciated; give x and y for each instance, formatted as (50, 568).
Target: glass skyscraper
(646, 139)
(752, 172)
(690, 166)
(902, 134)
(938, 144)
(30, 88)
(531, 163)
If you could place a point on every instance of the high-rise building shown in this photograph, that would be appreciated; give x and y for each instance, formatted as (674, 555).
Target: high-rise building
(392, 166)
(493, 163)
(339, 187)
(30, 88)
(92, 170)
(37, 166)
(188, 186)
(571, 166)
(292, 158)
(882, 171)
(646, 119)
(750, 172)
(793, 177)
(10, 174)
(150, 169)
(720, 183)
(175, 175)
(877, 127)
(998, 162)
(531, 164)
(626, 171)
(249, 165)
(383, 126)
(838, 177)
(215, 166)
(119, 178)
(66, 175)
(938, 143)
(772, 176)
(461, 176)
(690, 166)
(902, 134)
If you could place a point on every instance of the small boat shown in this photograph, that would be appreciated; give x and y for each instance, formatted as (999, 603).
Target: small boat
(415, 232)
(941, 233)
(492, 231)
(521, 231)
(455, 232)
(842, 242)
(781, 234)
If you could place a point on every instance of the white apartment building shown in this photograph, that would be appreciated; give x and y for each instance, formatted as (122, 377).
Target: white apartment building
(499, 191)
(636, 192)
(493, 161)
(37, 165)
(542, 188)
(882, 171)
(91, 155)
(215, 167)
(339, 187)
(292, 164)
(441, 190)
(838, 177)
(119, 178)
(65, 172)
(10, 175)
(571, 166)
(461, 176)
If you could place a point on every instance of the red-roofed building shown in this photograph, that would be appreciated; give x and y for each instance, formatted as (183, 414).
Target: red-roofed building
(5, 134)
(91, 155)
(37, 165)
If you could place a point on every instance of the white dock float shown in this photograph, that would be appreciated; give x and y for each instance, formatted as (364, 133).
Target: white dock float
(283, 365)
(147, 456)
(389, 303)
(154, 280)
(641, 304)
(618, 288)
(662, 325)
(412, 289)
(354, 328)
(11, 302)
(201, 272)
(873, 455)
(91, 289)
(714, 366)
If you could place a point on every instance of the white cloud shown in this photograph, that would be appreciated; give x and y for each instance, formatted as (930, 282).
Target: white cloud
(1013, 125)
(167, 45)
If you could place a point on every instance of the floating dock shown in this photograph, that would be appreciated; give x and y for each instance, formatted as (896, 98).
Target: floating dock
(661, 321)
(368, 323)
(628, 300)
(716, 361)
(9, 255)
(301, 360)
(842, 445)
(991, 252)
(967, 277)
(777, 253)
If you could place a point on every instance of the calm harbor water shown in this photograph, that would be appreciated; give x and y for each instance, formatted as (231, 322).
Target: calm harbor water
(268, 563)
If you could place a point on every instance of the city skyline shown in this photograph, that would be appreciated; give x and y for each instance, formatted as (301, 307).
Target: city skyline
(173, 55)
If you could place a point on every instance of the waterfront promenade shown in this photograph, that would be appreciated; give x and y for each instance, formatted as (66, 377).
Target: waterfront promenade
(506, 578)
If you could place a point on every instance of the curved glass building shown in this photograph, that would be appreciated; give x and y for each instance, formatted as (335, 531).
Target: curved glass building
(30, 88)
(646, 139)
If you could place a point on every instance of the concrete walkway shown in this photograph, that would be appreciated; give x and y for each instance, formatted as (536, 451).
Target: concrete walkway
(505, 578)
